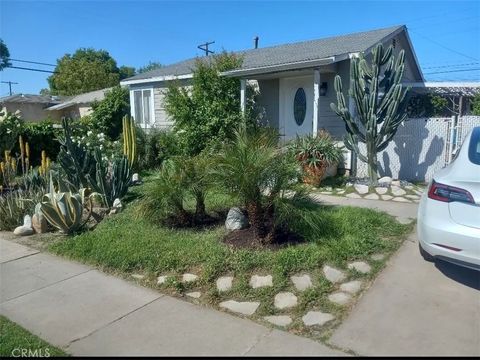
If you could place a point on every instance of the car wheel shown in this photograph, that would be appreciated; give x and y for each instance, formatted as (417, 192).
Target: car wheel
(426, 256)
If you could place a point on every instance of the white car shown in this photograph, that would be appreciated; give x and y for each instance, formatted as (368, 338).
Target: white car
(449, 213)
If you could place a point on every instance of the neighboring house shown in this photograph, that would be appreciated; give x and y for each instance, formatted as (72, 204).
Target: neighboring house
(292, 76)
(32, 108)
(77, 106)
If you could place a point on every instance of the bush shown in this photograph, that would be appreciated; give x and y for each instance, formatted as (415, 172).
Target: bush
(15, 205)
(155, 147)
(11, 127)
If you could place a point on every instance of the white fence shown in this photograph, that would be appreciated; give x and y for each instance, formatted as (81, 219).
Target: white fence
(421, 147)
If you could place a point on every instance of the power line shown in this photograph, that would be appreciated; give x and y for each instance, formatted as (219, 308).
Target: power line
(30, 69)
(451, 65)
(32, 62)
(452, 71)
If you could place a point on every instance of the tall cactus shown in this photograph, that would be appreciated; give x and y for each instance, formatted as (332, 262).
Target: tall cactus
(380, 104)
(129, 140)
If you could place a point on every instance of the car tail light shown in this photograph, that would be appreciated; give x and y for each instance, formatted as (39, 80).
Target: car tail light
(446, 193)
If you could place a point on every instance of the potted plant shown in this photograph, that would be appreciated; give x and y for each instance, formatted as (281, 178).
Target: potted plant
(315, 154)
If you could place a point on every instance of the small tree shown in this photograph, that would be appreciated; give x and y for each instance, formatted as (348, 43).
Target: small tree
(380, 103)
(4, 55)
(476, 105)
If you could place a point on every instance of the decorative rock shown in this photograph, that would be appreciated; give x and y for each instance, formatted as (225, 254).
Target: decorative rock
(302, 282)
(413, 197)
(224, 283)
(138, 276)
(377, 257)
(381, 190)
(244, 308)
(333, 275)
(349, 184)
(351, 287)
(398, 191)
(360, 266)
(387, 180)
(353, 196)
(257, 281)
(279, 320)
(186, 278)
(162, 279)
(194, 294)
(361, 189)
(387, 197)
(236, 220)
(395, 183)
(23, 231)
(285, 300)
(400, 199)
(117, 204)
(340, 192)
(316, 318)
(136, 179)
(39, 223)
(339, 298)
(372, 197)
(27, 221)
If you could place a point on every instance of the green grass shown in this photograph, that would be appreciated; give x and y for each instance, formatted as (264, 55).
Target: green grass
(16, 341)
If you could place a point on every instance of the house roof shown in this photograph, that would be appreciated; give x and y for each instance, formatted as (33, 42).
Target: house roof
(31, 99)
(283, 54)
(86, 98)
(455, 88)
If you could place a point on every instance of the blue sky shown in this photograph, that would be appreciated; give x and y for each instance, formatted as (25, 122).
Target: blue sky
(445, 34)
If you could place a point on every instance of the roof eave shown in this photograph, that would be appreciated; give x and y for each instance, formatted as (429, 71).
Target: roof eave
(156, 79)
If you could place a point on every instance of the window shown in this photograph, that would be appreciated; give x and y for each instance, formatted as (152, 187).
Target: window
(474, 148)
(300, 106)
(142, 107)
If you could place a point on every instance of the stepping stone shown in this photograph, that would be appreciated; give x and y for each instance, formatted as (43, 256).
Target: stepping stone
(361, 189)
(333, 275)
(360, 266)
(224, 283)
(400, 199)
(186, 278)
(408, 187)
(285, 300)
(257, 281)
(372, 197)
(138, 276)
(194, 294)
(353, 196)
(302, 282)
(381, 190)
(162, 279)
(316, 318)
(398, 191)
(377, 257)
(341, 192)
(403, 220)
(387, 197)
(244, 308)
(326, 192)
(351, 287)
(418, 192)
(340, 298)
(395, 183)
(413, 197)
(387, 180)
(279, 320)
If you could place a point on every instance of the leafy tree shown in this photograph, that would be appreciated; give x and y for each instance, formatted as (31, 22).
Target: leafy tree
(152, 65)
(126, 72)
(4, 55)
(86, 70)
(45, 91)
(476, 105)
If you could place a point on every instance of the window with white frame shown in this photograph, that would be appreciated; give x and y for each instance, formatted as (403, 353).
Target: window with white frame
(142, 109)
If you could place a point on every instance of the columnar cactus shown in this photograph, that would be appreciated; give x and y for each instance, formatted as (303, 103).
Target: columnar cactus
(380, 103)
(129, 140)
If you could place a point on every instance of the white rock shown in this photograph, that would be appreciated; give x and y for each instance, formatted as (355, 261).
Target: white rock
(404, 220)
(377, 257)
(279, 320)
(186, 278)
(387, 197)
(326, 192)
(400, 199)
(333, 275)
(351, 287)
(353, 196)
(361, 189)
(194, 294)
(348, 184)
(138, 276)
(23, 231)
(244, 308)
(161, 279)
(340, 192)
(418, 192)
(398, 191)
(381, 190)
(372, 197)
(257, 281)
(340, 298)
(135, 178)
(224, 283)
(236, 220)
(27, 221)
(316, 318)
(395, 183)
(360, 266)
(117, 204)
(387, 180)
(408, 187)
(285, 300)
(413, 197)
(302, 282)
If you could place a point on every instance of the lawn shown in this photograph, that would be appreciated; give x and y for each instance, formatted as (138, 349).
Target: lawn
(15, 341)
(126, 244)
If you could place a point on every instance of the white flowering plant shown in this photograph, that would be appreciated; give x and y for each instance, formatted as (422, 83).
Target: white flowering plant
(11, 126)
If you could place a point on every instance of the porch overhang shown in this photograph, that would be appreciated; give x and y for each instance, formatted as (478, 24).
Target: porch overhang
(456, 88)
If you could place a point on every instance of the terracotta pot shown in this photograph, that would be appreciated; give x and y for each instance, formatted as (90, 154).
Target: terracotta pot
(313, 175)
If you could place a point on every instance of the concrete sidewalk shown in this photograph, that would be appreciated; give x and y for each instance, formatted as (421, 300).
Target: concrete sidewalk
(86, 312)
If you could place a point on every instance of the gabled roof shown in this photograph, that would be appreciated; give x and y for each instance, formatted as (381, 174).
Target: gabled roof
(294, 53)
(86, 98)
(31, 99)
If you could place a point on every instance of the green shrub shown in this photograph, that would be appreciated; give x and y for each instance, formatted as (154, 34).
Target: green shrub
(155, 147)
(15, 205)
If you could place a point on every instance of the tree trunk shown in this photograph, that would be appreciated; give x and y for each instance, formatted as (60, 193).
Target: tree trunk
(255, 217)
(372, 166)
(200, 212)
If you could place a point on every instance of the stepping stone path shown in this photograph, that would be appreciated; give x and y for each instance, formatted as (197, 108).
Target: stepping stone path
(186, 278)
(285, 300)
(340, 298)
(381, 190)
(257, 281)
(413, 197)
(361, 189)
(138, 276)
(279, 320)
(372, 197)
(244, 308)
(418, 192)
(353, 196)
(333, 275)
(395, 183)
(301, 282)
(224, 283)
(400, 199)
(360, 266)
(194, 294)
(162, 279)
(377, 257)
(341, 192)
(387, 197)
(351, 287)
(316, 318)
(398, 191)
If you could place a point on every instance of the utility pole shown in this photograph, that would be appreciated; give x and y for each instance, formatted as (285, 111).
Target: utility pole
(204, 47)
(10, 85)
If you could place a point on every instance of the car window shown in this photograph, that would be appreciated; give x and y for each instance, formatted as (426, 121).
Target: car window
(474, 148)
